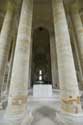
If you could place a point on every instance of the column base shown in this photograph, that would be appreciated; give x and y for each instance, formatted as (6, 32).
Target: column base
(27, 119)
(22, 119)
(11, 123)
(15, 119)
(69, 118)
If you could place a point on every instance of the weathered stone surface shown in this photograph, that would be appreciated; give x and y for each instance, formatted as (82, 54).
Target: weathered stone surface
(54, 67)
(18, 88)
(78, 28)
(67, 74)
(5, 40)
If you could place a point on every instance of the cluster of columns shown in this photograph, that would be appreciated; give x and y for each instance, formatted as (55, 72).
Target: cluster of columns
(70, 97)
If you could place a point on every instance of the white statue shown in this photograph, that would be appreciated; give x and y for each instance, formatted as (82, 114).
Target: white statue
(40, 75)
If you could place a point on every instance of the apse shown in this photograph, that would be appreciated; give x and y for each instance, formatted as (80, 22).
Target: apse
(41, 61)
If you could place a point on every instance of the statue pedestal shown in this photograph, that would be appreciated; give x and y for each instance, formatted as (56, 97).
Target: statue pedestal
(42, 91)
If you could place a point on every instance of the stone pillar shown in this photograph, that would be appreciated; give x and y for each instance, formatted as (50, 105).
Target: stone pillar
(70, 97)
(10, 65)
(78, 28)
(8, 69)
(77, 58)
(30, 63)
(19, 83)
(54, 68)
(5, 40)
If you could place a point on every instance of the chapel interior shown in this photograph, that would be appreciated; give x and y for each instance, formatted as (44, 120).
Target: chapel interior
(41, 62)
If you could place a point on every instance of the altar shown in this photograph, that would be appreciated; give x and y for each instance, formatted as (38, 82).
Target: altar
(42, 91)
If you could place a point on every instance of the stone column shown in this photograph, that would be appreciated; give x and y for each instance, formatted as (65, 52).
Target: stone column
(78, 28)
(77, 58)
(5, 40)
(19, 83)
(10, 65)
(8, 69)
(70, 97)
(30, 63)
(54, 68)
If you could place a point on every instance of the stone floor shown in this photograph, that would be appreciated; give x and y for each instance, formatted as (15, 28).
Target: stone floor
(40, 111)
(43, 112)
(44, 115)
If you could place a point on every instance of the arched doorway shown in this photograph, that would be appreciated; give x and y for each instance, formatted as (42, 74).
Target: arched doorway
(41, 61)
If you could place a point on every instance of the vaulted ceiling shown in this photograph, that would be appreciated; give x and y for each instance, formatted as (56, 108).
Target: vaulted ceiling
(44, 6)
